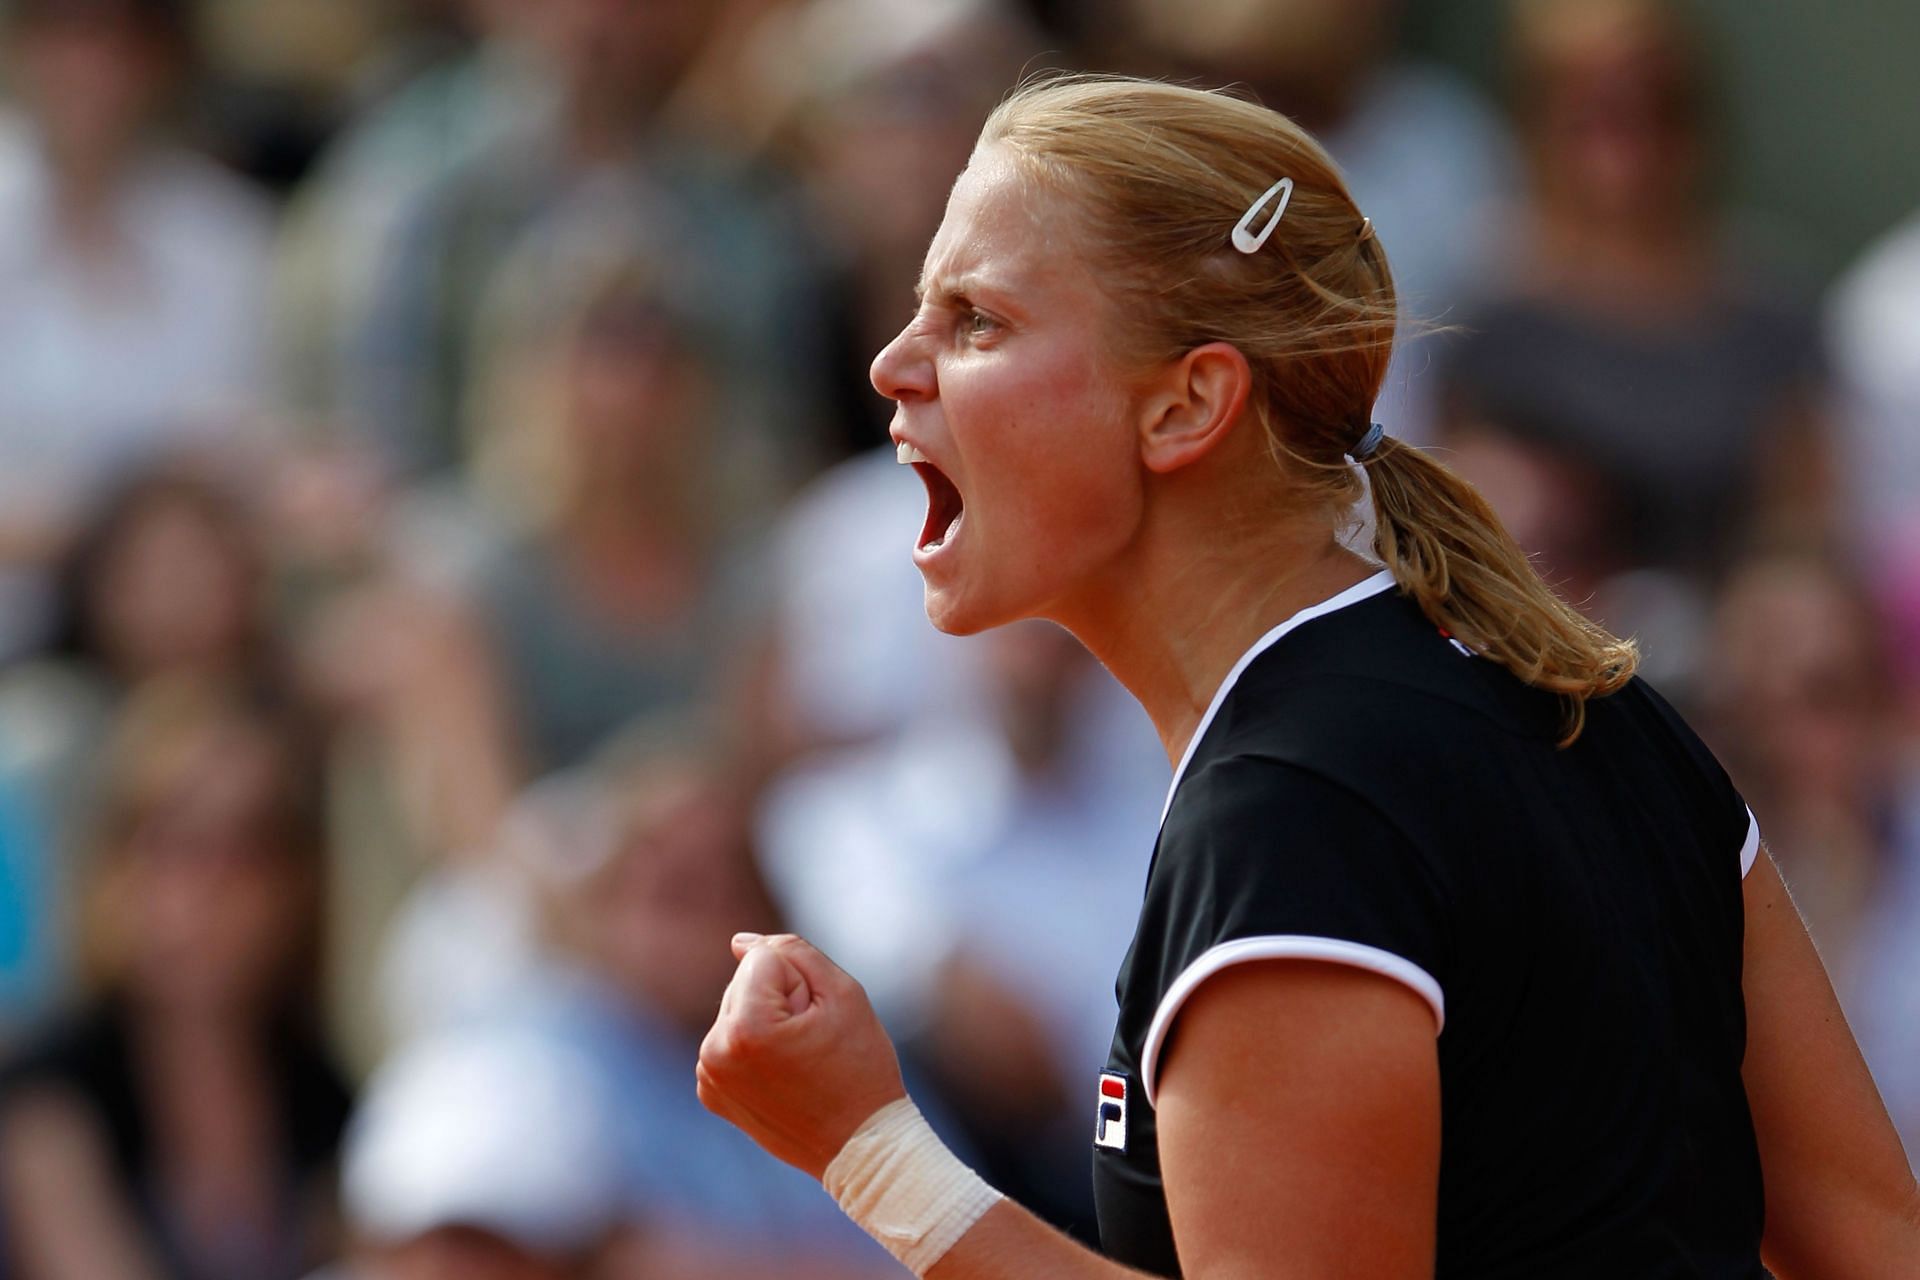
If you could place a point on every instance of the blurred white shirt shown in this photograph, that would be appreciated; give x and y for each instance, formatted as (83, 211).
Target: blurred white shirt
(903, 855)
(105, 361)
(857, 656)
(158, 341)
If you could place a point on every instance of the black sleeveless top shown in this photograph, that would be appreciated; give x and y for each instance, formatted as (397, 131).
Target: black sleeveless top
(1368, 792)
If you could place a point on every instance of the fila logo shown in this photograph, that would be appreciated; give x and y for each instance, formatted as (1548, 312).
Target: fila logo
(1110, 1123)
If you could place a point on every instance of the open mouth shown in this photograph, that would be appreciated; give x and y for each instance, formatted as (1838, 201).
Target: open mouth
(945, 507)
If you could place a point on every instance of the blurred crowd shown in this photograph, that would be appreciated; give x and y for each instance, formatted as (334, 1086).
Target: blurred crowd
(453, 576)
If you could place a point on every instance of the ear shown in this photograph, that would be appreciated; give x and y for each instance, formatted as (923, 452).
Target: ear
(1193, 405)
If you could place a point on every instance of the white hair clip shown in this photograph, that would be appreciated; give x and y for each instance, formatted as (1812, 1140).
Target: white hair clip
(1244, 239)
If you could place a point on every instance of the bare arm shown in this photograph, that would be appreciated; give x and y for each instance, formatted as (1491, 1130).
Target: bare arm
(1339, 1061)
(67, 1219)
(1841, 1199)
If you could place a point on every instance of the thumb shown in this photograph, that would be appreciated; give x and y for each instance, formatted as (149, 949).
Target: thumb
(770, 986)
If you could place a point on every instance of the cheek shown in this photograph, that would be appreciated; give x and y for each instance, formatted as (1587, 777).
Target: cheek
(1063, 470)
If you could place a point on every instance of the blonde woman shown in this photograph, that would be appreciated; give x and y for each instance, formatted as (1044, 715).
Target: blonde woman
(1459, 955)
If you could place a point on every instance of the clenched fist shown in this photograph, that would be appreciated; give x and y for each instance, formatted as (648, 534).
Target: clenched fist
(797, 1057)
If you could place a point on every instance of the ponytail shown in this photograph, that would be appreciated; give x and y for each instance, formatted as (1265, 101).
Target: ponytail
(1446, 548)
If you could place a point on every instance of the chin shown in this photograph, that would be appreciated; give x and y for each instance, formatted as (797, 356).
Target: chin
(956, 616)
(946, 615)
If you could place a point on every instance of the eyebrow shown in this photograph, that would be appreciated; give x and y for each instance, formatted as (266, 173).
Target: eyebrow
(941, 286)
(948, 288)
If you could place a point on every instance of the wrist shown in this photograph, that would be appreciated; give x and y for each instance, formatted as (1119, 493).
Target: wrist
(902, 1186)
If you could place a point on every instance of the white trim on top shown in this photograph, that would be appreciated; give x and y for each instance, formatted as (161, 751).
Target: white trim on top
(1750, 851)
(1354, 594)
(1280, 947)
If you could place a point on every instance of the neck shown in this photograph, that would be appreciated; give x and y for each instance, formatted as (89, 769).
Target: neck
(1178, 619)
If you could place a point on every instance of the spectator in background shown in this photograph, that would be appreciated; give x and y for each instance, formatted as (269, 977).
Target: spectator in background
(131, 272)
(617, 592)
(168, 578)
(615, 604)
(637, 870)
(381, 165)
(480, 1155)
(614, 594)
(608, 72)
(1801, 705)
(1637, 343)
(1425, 158)
(980, 874)
(182, 1123)
(164, 579)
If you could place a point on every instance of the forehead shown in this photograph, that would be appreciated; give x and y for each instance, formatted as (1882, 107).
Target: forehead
(1002, 233)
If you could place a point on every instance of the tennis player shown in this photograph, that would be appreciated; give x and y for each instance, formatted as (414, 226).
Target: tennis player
(1459, 954)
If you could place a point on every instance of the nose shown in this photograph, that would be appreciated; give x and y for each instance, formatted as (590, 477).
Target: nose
(902, 371)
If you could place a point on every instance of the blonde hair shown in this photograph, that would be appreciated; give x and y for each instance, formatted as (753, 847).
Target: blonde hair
(1159, 175)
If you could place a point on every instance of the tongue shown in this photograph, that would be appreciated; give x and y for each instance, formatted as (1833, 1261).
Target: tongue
(942, 539)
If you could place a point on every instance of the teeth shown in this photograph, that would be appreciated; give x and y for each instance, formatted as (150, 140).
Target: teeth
(907, 453)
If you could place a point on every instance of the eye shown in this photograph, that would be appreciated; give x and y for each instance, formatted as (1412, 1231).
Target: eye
(976, 324)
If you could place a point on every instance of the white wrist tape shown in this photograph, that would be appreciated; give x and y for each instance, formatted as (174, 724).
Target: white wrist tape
(905, 1189)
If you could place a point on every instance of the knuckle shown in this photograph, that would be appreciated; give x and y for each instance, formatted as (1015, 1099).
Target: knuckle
(720, 1051)
(839, 983)
(740, 1044)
